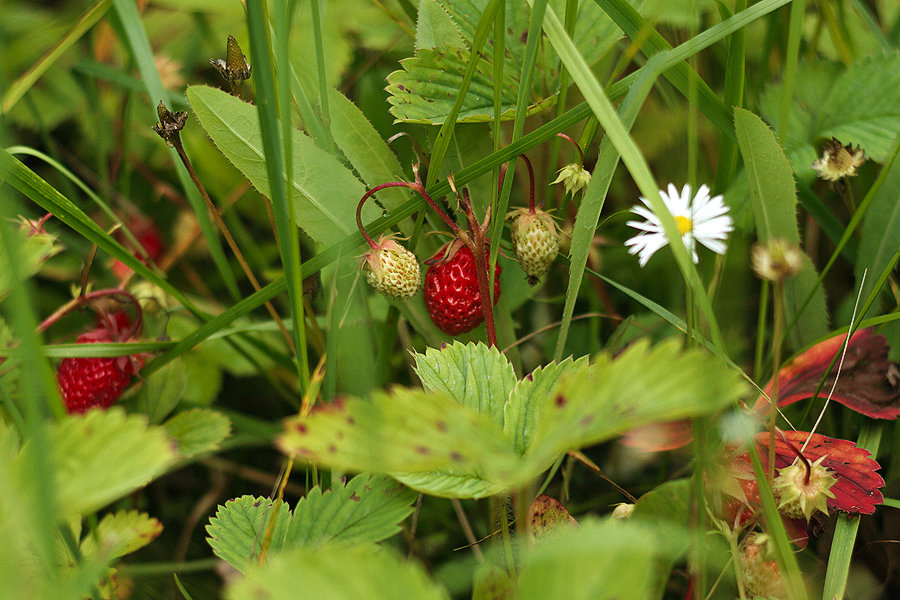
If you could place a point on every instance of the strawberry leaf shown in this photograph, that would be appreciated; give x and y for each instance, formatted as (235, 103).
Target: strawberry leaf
(120, 534)
(101, 456)
(597, 560)
(639, 386)
(453, 446)
(336, 572)
(867, 384)
(367, 509)
(474, 375)
(237, 531)
(199, 430)
(521, 411)
(407, 430)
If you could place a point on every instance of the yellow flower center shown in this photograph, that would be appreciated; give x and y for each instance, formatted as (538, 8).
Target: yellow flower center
(684, 224)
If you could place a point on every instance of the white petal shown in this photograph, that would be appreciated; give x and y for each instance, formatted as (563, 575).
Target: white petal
(645, 226)
(714, 245)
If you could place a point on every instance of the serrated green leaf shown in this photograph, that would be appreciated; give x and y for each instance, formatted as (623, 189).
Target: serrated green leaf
(121, 533)
(103, 455)
(437, 445)
(326, 193)
(237, 531)
(435, 27)
(367, 509)
(522, 410)
(364, 148)
(409, 431)
(856, 104)
(450, 484)
(595, 561)
(880, 233)
(475, 375)
(773, 198)
(162, 391)
(337, 572)
(199, 430)
(639, 386)
(425, 90)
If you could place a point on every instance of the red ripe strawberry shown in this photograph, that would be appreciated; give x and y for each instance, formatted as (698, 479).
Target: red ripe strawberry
(89, 382)
(150, 238)
(451, 291)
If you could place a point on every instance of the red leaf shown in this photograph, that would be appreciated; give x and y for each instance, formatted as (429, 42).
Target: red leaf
(856, 489)
(741, 504)
(868, 382)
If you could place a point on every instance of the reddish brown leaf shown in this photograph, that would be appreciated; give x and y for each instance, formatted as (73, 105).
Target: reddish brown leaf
(741, 503)
(546, 514)
(868, 382)
(858, 482)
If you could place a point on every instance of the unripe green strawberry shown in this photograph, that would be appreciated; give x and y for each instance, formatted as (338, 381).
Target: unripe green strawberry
(802, 492)
(760, 574)
(392, 269)
(535, 240)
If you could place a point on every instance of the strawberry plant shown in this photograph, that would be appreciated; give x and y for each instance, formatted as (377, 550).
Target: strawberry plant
(507, 299)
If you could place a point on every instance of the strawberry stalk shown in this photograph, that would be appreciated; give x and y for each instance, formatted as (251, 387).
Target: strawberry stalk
(480, 248)
(417, 187)
(86, 299)
(574, 143)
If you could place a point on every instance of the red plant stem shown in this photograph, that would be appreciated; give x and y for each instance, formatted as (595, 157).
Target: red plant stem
(574, 143)
(362, 201)
(480, 248)
(419, 189)
(85, 299)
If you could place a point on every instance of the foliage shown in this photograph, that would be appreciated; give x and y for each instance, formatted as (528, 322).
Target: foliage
(334, 442)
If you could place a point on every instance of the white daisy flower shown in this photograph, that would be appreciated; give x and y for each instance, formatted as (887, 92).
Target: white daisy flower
(703, 219)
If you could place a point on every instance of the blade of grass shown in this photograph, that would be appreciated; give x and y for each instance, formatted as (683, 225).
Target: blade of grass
(733, 95)
(633, 159)
(592, 203)
(633, 24)
(14, 150)
(535, 23)
(846, 528)
(791, 61)
(272, 100)
(21, 86)
(784, 554)
(133, 34)
(319, 46)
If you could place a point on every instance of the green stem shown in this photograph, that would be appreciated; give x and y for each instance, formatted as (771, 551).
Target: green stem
(777, 335)
(507, 538)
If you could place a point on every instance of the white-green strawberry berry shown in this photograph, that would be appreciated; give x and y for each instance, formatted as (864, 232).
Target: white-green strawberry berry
(574, 177)
(535, 241)
(759, 572)
(803, 491)
(392, 269)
